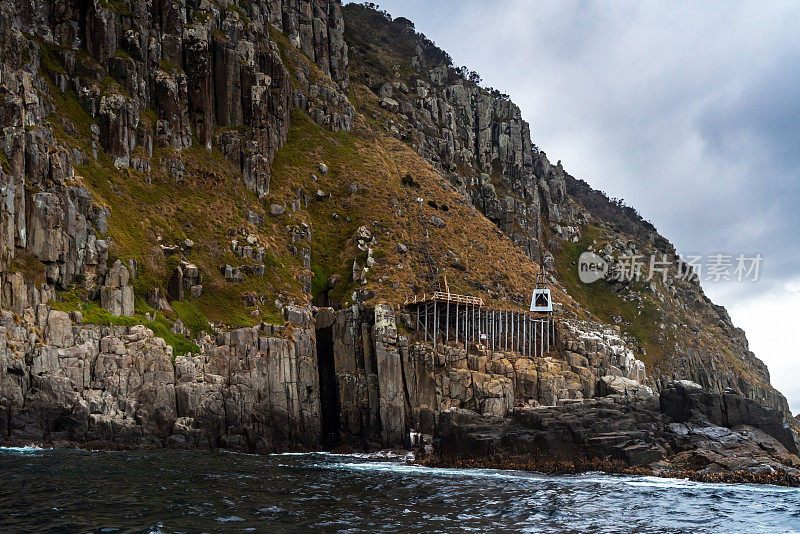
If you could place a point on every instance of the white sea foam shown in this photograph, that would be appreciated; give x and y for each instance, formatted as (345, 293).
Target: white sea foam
(379, 455)
(412, 469)
(681, 483)
(22, 450)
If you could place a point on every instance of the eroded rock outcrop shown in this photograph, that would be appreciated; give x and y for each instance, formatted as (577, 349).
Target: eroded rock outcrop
(623, 433)
(475, 136)
(253, 389)
(149, 75)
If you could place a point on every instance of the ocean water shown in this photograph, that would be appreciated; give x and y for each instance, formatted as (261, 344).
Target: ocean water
(64, 490)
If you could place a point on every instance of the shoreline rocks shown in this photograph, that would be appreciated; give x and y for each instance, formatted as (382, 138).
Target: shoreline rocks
(681, 434)
(260, 390)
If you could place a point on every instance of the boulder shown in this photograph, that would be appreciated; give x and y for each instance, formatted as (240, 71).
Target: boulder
(390, 104)
(624, 387)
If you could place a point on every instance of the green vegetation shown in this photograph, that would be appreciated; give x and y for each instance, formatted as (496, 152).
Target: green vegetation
(143, 212)
(293, 167)
(5, 166)
(191, 316)
(94, 314)
(27, 264)
(602, 301)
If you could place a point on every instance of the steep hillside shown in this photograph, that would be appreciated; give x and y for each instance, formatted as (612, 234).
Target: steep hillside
(213, 213)
(477, 138)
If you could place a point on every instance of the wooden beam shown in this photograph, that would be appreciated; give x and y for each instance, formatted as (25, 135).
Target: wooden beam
(435, 324)
(447, 319)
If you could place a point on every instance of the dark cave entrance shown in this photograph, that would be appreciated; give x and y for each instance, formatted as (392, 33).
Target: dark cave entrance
(328, 390)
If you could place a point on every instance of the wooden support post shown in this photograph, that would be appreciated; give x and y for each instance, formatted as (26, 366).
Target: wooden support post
(530, 335)
(500, 330)
(505, 330)
(469, 327)
(447, 324)
(542, 339)
(534, 337)
(486, 325)
(524, 333)
(470, 337)
(466, 325)
(474, 327)
(511, 328)
(472, 324)
(426, 321)
(493, 330)
(456, 323)
(435, 324)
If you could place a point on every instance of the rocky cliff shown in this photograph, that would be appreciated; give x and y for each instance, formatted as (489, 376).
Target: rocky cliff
(476, 137)
(213, 212)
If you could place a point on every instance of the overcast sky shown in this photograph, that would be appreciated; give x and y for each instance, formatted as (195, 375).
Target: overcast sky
(688, 111)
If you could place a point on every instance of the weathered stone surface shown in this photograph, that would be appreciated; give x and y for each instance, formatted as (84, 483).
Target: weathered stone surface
(624, 387)
(685, 401)
(390, 376)
(634, 432)
(117, 386)
(438, 222)
(116, 295)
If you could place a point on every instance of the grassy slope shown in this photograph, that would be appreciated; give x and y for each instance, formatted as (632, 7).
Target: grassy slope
(377, 162)
(208, 204)
(211, 201)
(604, 303)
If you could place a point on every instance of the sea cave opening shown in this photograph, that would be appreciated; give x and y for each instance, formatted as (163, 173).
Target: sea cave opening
(328, 390)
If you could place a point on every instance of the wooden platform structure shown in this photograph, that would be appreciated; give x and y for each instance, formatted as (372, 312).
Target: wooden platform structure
(446, 317)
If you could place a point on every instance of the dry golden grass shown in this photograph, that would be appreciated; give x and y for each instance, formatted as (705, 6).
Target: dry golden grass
(377, 163)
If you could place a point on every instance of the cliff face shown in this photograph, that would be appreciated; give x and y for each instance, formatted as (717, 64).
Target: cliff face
(252, 389)
(324, 377)
(206, 244)
(123, 91)
(475, 136)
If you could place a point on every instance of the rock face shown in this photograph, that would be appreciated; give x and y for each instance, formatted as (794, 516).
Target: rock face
(157, 88)
(686, 433)
(150, 76)
(477, 139)
(253, 389)
(475, 136)
(348, 376)
(116, 295)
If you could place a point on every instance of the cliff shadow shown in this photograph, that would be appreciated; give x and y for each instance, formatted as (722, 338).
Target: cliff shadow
(329, 390)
